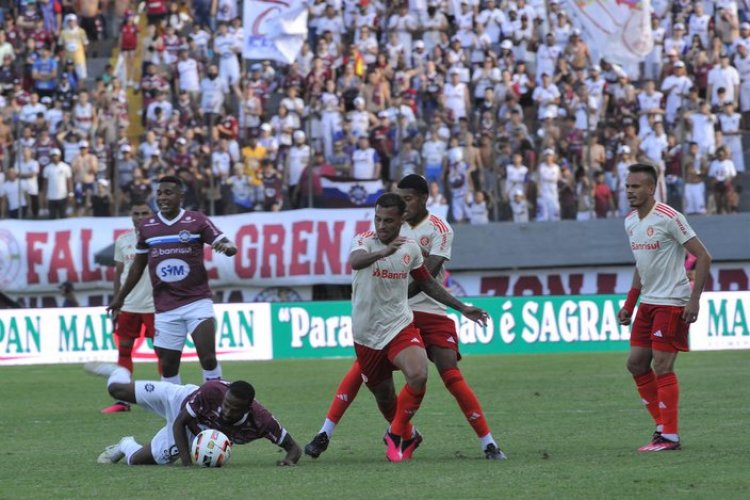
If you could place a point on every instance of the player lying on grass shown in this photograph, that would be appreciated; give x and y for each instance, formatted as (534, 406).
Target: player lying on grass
(189, 409)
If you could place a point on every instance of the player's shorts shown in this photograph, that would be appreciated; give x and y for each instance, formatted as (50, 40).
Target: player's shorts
(165, 400)
(172, 327)
(660, 328)
(132, 325)
(377, 364)
(437, 330)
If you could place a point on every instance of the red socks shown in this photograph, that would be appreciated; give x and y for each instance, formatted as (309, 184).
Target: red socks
(466, 399)
(669, 399)
(407, 404)
(345, 394)
(125, 356)
(646, 384)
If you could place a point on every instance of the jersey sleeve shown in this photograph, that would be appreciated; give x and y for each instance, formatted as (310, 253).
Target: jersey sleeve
(360, 242)
(209, 232)
(268, 426)
(417, 269)
(141, 246)
(680, 229)
(119, 257)
(442, 240)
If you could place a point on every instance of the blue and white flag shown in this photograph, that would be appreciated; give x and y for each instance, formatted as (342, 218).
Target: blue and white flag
(345, 192)
(274, 29)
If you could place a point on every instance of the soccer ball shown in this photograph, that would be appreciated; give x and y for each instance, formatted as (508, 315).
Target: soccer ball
(211, 448)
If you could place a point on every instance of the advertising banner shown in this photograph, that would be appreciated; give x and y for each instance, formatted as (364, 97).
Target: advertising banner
(299, 247)
(722, 323)
(78, 335)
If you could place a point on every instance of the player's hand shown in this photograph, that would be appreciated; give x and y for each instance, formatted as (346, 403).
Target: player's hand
(114, 307)
(476, 315)
(623, 316)
(226, 247)
(690, 313)
(394, 245)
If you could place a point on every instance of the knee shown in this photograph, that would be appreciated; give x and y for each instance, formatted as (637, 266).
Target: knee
(637, 367)
(417, 377)
(208, 361)
(118, 391)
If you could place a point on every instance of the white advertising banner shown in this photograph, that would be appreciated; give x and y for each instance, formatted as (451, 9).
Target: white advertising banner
(280, 249)
(617, 29)
(722, 322)
(82, 334)
(274, 29)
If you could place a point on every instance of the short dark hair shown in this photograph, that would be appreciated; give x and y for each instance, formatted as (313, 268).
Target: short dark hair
(643, 168)
(415, 182)
(172, 179)
(242, 390)
(389, 200)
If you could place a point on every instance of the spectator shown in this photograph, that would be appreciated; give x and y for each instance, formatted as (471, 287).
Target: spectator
(73, 39)
(721, 172)
(59, 179)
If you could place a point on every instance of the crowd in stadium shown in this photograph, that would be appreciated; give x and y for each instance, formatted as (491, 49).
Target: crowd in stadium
(498, 103)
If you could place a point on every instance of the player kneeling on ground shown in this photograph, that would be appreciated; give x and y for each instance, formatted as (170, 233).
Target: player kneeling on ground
(188, 409)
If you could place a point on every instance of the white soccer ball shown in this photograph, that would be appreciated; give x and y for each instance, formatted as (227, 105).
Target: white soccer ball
(211, 448)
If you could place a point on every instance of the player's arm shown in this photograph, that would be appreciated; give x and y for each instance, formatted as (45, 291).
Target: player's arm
(635, 291)
(360, 259)
(179, 431)
(293, 451)
(225, 246)
(134, 275)
(702, 266)
(433, 263)
(431, 287)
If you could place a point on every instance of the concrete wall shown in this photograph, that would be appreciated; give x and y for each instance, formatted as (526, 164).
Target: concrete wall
(581, 243)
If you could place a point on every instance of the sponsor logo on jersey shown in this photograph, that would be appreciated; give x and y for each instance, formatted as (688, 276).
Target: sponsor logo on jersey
(645, 246)
(184, 235)
(172, 270)
(388, 275)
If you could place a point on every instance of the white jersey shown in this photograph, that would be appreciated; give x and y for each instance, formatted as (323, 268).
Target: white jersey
(299, 158)
(380, 309)
(141, 298)
(657, 243)
(434, 237)
(189, 75)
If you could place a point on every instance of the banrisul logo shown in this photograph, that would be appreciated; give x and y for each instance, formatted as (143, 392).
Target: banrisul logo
(316, 330)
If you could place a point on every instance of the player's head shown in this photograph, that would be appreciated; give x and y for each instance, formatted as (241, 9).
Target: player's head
(414, 190)
(169, 195)
(389, 215)
(139, 210)
(237, 401)
(640, 185)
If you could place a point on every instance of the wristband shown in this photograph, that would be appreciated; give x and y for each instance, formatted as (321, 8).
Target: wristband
(633, 295)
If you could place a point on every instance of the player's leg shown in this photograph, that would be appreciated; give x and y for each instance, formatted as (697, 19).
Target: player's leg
(441, 340)
(202, 326)
(446, 362)
(127, 328)
(345, 394)
(670, 337)
(639, 364)
(169, 359)
(412, 361)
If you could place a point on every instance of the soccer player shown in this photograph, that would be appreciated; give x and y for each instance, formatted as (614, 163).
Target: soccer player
(435, 238)
(137, 315)
(659, 236)
(171, 245)
(385, 338)
(188, 409)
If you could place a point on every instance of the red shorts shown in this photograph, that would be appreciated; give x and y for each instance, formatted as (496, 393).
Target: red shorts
(660, 328)
(437, 330)
(377, 364)
(133, 325)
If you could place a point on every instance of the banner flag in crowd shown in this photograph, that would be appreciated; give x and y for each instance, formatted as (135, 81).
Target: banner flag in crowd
(344, 192)
(274, 29)
(619, 30)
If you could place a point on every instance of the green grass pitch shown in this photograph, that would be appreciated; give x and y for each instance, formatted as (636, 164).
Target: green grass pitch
(570, 425)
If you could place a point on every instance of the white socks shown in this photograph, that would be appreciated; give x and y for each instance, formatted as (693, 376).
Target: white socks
(129, 447)
(172, 380)
(119, 375)
(328, 427)
(487, 440)
(214, 374)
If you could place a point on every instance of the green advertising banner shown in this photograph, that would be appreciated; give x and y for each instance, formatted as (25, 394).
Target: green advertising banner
(518, 325)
